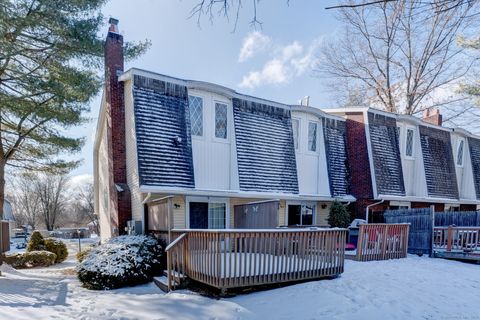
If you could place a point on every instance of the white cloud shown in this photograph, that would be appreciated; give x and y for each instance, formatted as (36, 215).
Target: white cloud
(253, 43)
(80, 180)
(286, 63)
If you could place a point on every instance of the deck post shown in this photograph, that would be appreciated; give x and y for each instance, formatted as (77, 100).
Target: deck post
(449, 238)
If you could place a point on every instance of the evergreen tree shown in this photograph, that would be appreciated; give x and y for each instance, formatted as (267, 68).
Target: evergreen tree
(50, 55)
(339, 217)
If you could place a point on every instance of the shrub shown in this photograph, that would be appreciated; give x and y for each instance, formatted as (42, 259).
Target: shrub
(36, 242)
(339, 217)
(119, 262)
(83, 254)
(31, 259)
(57, 247)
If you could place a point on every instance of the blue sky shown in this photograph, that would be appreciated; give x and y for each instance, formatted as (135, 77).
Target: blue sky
(272, 62)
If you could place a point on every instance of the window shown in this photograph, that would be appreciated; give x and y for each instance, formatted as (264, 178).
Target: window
(460, 152)
(216, 215)
(295, 128)
(196, 115)
(205, 214)
(300, 214)
(312, 136)
(409, 143)
(221, 120)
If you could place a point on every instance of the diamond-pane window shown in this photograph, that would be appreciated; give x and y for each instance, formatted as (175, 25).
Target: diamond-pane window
(461, 146)
(196, 115)
(221, 121)
(409, 143)
(312, 136)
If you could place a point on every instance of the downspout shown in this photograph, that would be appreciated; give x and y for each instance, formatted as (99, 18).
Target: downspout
(149, 195)
(371, 205)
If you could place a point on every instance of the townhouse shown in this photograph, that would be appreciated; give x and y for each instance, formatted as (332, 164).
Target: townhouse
(403, 161)
(174, 153)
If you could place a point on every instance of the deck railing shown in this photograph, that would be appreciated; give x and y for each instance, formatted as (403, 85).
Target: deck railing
(452, 238)
(380, 241)
(239, 258)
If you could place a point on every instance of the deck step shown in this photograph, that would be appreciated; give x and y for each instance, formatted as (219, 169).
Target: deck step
(176, 275)
(161, 282)
(177, 281)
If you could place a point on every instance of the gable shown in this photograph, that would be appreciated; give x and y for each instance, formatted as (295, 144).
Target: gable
(334, 132)
(265, 150)
(387, 165)
(162, 125)
(438, 161)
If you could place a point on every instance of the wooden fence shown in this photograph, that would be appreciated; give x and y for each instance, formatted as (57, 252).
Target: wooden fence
(5, 236)
(240, 258)
(420, 232)
(422, 222)
(380, 241)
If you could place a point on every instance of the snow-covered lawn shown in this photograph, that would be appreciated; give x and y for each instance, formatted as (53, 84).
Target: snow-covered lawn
(412, 288)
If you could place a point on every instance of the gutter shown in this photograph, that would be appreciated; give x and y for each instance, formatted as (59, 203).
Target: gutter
(367, 210)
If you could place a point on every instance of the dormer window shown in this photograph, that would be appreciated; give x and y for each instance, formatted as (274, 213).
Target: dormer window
(221, 121)
(196, 115)
(295, 129)
(312, 136)
(460, 152)
(409, 142)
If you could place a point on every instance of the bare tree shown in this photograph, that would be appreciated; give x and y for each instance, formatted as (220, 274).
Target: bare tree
(25, 200)
(84, 205)
(51, 192)
(402, 54)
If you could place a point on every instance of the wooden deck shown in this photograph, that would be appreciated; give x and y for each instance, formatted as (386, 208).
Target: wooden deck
(453, 242)
(381, 241)
(240, 258)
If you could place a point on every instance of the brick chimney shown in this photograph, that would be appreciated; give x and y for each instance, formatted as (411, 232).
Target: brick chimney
(432, 116)
(114, 95)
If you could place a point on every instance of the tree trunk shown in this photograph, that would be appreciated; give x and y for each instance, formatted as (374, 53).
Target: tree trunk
(2, 200)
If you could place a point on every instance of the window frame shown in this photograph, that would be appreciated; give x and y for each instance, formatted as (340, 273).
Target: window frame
(202, 136)
(214, 121)
(412, 156)
(208, 200)
(317, 147)
(313, 204)
(460, 141)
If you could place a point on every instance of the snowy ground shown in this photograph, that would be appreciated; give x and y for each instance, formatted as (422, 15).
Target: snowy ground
(412, 288)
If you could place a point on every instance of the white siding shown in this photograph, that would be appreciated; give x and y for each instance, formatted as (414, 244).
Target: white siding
(466, 187)
(214, 159)
(413, 168)
(312, 169)
(132, 162)
(102, 182)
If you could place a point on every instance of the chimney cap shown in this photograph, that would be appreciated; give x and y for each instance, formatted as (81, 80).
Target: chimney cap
(113, 21)
(113, 25)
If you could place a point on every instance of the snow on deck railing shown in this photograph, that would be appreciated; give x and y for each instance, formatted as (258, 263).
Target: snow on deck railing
(258, 230)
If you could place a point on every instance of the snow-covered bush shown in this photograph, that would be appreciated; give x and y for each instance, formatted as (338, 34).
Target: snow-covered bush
(57, 247)
(36, 242)
(119, 262)
(31, 259)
